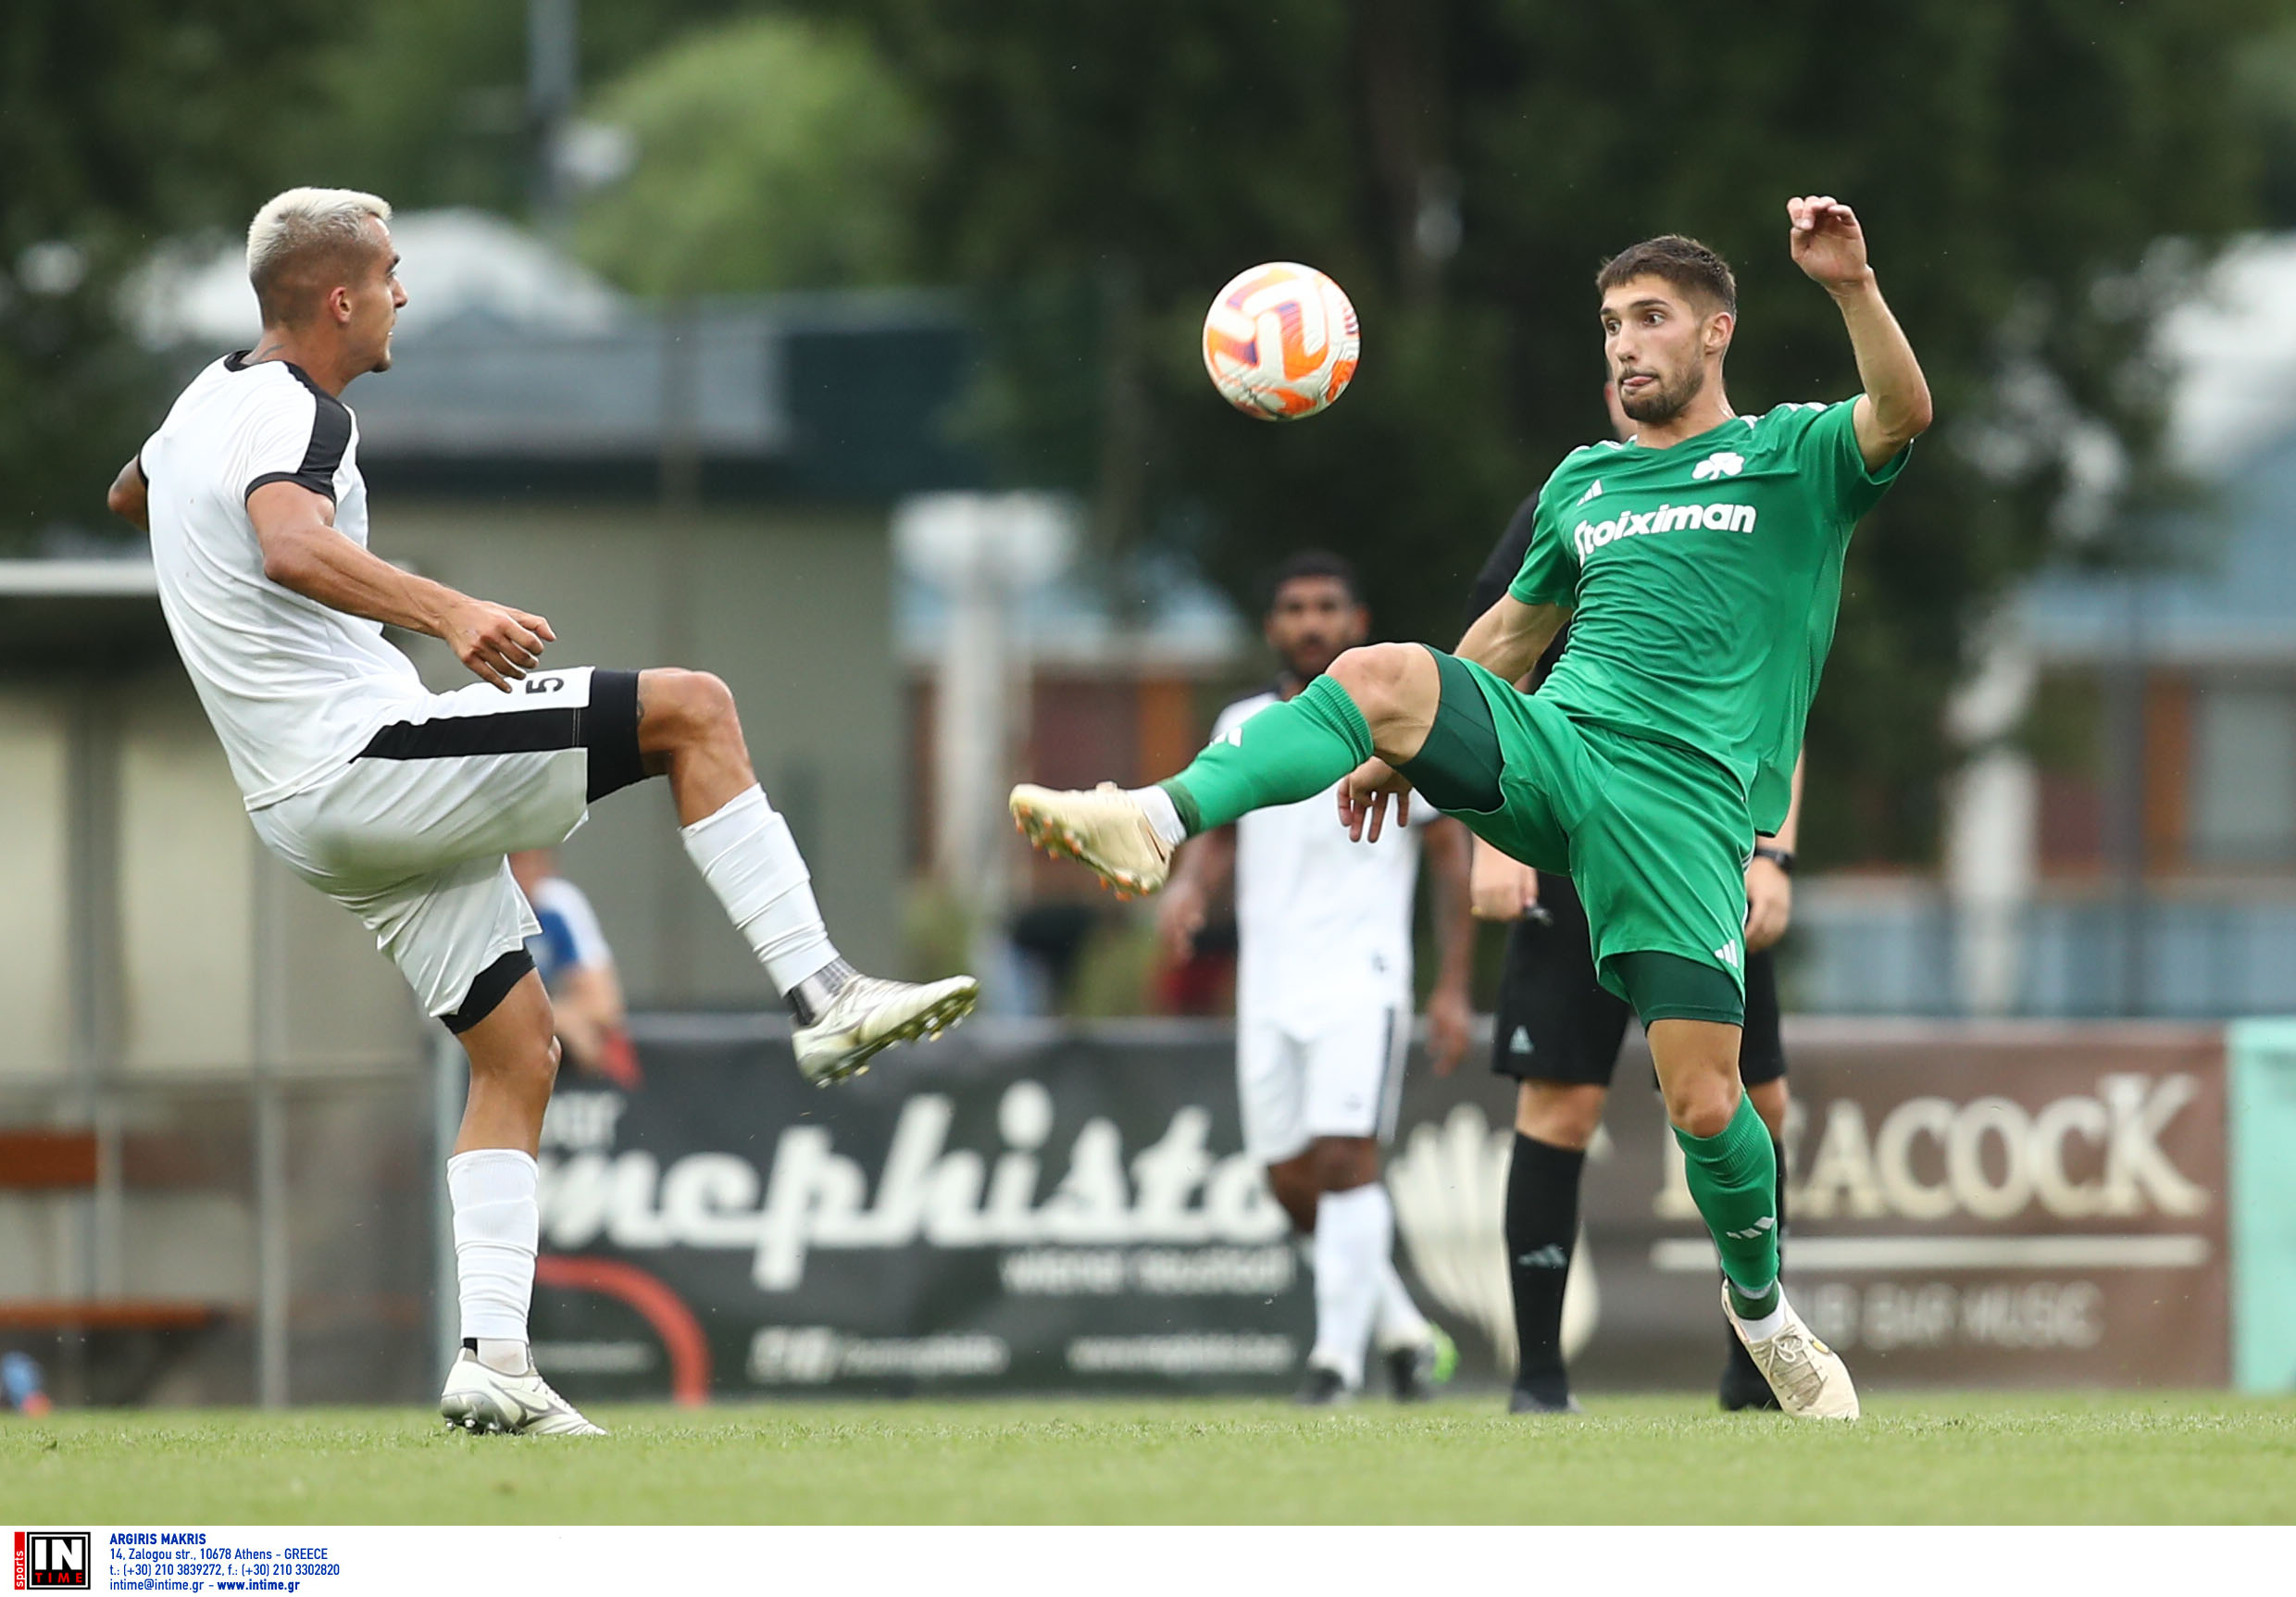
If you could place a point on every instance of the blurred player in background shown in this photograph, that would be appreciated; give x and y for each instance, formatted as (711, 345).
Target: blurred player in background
(1558, 1033)
(1700, 564)
(1323, 1004)
(575, 964)
(401, 804)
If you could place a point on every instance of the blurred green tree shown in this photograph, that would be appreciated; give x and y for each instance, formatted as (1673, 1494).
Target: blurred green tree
(772, 153)
(121, 122)
(425, 101)
(1463, 166)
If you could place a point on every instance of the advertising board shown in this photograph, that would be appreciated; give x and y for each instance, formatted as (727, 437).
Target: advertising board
(1032, 1207)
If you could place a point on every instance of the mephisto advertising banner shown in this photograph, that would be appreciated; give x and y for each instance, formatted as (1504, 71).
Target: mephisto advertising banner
(1039, 1207)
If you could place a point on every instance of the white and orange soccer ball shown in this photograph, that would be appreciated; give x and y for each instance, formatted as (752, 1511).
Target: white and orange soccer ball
(1280, 342)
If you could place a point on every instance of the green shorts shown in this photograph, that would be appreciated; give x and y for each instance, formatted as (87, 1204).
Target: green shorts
(1655, 838)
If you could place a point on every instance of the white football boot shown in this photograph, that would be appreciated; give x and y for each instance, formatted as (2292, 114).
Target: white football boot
(482, 1399)
(1809, 1377)
(869, 1014)
(1104, 829)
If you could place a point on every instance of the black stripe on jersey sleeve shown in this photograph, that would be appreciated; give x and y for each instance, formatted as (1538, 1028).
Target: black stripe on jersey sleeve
(330, 436)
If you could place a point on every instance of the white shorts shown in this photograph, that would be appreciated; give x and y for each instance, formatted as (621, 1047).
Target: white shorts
(1343, 1081)
(411, 835)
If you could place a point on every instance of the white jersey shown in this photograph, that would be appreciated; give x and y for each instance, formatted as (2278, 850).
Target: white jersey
(294, 689)
(1323, 925)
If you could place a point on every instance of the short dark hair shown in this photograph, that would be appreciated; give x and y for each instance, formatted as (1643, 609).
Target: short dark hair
(1686, 264)
(1316, 563)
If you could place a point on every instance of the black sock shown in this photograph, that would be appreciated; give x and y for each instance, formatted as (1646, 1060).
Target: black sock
(1738, 1356)
(1542, 1232)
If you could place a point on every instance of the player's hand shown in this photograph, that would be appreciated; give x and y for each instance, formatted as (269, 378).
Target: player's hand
(1770, 904)
(1827, 243)
(1499, 886)
(497, 643)
(1179, 917)
(1363, 800)
(1450, 1027)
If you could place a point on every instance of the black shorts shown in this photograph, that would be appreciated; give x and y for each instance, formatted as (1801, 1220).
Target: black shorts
(1554, 1024)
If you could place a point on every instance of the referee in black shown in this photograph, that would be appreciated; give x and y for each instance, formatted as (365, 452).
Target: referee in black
(1558, 1033)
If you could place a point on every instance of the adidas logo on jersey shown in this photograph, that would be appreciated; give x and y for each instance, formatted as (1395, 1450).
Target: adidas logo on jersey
(1520, 1043)
(1591, 535)
(1722, 463)
(1728, 954)
(1594, 493)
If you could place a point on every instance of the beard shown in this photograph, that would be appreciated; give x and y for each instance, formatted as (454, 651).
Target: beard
(1662, 401)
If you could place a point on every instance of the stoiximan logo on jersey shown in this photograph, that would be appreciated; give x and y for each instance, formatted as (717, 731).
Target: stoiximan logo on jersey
(1591, 535)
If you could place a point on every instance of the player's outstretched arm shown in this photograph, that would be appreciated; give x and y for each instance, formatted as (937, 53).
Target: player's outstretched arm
(1829, 247)
(130, 498)
(303, 553)
(1511, 635)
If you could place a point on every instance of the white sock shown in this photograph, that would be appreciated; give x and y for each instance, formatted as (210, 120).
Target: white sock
(497, 1230)
(746, 855)
(1163, 815)
(1355, 1233)
(503, 1355)
(1397, 1321)
(1769, 1325)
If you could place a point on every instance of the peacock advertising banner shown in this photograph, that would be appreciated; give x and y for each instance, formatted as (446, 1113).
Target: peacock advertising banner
(1047, 1207)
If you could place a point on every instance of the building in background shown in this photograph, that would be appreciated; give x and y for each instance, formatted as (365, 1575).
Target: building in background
(2133, 735)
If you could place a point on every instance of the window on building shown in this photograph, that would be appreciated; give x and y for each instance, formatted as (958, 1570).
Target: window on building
(2243, 775)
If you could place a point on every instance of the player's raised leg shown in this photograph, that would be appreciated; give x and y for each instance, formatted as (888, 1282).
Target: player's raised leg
(492, 1180)
(1377, 700)
(690, 730)
(1733, 1179)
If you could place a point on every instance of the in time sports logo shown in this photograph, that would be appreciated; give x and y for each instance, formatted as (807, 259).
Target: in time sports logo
(51, 1561)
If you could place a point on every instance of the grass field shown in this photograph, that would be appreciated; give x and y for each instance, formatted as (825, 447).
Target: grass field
(1927, 1457)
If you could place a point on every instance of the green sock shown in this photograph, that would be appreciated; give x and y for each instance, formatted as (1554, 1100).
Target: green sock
(1287, 752)
(1733, 1179)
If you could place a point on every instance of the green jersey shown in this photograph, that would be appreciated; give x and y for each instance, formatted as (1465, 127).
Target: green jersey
(1705, 579)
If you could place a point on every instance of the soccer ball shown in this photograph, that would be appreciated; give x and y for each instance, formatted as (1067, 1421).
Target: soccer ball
(1280, 342)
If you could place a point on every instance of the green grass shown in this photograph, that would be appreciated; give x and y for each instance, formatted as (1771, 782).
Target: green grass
(1916, 1457)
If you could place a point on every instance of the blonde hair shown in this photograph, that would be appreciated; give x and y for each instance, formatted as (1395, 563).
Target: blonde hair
(301, 236)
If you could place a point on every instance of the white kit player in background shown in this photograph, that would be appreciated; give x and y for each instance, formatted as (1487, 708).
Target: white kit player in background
(1324, 1004)
(401, 804)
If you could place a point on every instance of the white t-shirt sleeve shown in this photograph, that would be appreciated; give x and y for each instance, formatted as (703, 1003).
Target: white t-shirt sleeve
(290, 434)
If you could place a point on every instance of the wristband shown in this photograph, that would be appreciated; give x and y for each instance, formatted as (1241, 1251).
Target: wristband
(1780, 858)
